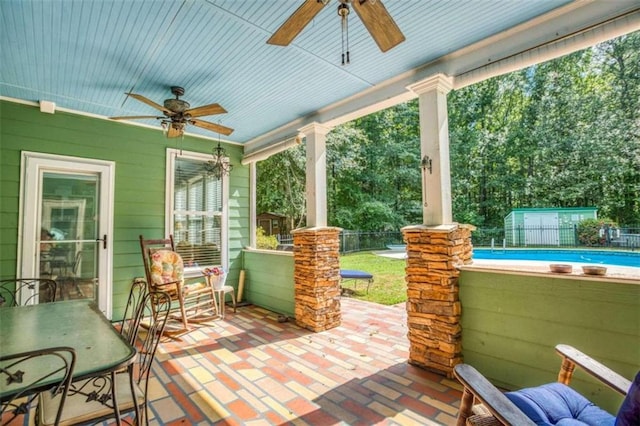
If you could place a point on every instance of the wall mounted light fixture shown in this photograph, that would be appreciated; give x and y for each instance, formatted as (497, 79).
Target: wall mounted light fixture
(425, 164)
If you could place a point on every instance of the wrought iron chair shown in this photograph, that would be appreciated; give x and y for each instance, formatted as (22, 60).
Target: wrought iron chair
(91, 400)
(164, 270)
(27, 291)
(131, 317)
(483, 404)
(26, 374)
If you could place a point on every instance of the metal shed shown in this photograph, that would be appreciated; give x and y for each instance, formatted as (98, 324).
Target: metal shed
(545, 226)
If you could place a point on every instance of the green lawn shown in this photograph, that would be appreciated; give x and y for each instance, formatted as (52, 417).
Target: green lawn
(388, 287)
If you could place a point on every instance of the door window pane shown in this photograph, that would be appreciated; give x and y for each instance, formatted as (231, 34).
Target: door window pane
(69, 226)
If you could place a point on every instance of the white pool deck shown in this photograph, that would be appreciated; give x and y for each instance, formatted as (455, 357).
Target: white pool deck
(627, 273)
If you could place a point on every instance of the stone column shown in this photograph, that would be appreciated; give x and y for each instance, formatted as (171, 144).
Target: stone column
(316, 256)
(433, 305)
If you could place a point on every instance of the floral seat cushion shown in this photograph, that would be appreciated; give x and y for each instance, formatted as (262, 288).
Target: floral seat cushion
(166, 267)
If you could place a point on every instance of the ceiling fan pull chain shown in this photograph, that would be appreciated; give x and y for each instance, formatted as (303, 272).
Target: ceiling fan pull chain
(343, 11)
(342, 27)
(346, 21)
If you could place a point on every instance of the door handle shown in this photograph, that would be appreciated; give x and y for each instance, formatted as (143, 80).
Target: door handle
(104, 241)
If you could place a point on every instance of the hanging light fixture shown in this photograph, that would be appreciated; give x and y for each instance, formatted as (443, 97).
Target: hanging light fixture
(220, 165)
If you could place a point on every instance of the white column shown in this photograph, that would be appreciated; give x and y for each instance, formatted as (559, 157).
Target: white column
(434, 148)
(316, 173)
(252, 205)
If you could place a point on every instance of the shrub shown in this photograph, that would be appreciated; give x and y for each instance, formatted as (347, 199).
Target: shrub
(265, 242)
(589, 231)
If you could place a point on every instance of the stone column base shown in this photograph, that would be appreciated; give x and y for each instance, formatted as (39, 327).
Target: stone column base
(316, 256)
(433, 306)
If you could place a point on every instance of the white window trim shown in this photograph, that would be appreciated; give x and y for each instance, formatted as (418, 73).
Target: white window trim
(172, 154)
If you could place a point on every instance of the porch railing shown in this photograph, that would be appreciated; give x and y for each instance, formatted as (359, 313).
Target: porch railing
(353, 241)
(624, 237)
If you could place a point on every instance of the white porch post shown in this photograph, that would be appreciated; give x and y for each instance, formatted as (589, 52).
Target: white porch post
(316, 186)
(434, 148)
(253, 200)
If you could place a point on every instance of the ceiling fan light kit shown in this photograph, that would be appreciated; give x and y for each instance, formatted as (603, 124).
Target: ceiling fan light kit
(178, 113)
(383, 29)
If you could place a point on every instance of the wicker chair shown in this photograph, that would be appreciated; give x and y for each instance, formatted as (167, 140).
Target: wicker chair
(483, 404)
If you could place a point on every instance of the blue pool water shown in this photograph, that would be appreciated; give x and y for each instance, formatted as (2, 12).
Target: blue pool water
(583, 256)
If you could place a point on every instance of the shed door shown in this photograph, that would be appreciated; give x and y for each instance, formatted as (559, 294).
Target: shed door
(265, 224)
(541, 229)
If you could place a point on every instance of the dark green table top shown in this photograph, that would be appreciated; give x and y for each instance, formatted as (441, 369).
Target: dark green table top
(75, 323)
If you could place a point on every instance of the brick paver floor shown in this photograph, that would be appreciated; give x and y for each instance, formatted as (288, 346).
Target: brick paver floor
(250, 369)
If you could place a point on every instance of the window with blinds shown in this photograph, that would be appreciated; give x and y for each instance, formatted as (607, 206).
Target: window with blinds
(197, 212)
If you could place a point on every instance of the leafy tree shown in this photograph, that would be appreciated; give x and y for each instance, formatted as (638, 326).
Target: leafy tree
(281, 187)
(564, 133)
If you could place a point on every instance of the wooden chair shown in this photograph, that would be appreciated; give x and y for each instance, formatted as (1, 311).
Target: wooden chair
(47, 370)
(164, 270)
(90, 400)
(27, 291)
(483, 404)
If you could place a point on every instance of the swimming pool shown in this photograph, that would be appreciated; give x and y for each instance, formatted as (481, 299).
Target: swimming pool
(618, 258)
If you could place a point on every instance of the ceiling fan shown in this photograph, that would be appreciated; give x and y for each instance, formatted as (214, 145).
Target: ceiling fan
(373, 14)
(178, 113)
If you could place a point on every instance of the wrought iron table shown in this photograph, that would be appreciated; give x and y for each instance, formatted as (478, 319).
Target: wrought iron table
(78, 324)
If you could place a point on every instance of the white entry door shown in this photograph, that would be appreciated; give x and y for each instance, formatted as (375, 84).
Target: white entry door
(67, 225)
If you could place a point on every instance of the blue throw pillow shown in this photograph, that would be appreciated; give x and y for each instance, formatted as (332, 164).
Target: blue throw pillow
(629, 413)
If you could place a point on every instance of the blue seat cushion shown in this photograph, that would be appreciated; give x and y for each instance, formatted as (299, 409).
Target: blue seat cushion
(558, 404)
(355, 274)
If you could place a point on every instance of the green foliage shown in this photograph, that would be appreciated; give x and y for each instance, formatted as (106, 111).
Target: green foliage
(563, 133)
(281, 185)
(589, 231)
(265, 242)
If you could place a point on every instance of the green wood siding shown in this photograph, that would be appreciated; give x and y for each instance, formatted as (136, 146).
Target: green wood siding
(511, 324)
(140, 157)
(269, 280)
